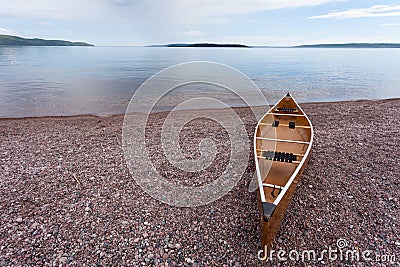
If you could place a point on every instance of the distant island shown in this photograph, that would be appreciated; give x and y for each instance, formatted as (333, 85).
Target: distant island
(6, 40)
(346, 45)
(200, 45)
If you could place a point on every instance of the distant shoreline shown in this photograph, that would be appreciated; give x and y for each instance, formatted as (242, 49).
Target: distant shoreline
(201, 45)
(10, 40)
(344, 45)
(118, 114)
(351, 45)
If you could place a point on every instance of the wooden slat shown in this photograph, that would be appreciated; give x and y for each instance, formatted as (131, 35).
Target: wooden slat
(287, 125)
(286, 114)
(283, 140)
(273, 186)
(277, 109)
(263, 150)
(294, 161)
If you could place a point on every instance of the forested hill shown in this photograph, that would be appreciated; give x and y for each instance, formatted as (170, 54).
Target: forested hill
(19, 41)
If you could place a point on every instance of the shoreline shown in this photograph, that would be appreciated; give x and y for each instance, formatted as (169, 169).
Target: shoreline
(166, 111)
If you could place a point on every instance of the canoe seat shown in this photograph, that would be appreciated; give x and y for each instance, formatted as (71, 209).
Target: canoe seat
(279, 156)
(286, 109)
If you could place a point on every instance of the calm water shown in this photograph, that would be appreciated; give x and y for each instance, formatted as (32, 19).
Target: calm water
(37, 81)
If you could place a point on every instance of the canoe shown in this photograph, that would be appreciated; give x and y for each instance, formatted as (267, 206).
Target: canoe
(282, 145)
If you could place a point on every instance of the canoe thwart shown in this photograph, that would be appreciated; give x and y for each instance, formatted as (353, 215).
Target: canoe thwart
(282, 140)
(286, 114)
(291, 125)
(268, 210)
(262, 150)
(294, 161)
(273, 185)
(285, 109)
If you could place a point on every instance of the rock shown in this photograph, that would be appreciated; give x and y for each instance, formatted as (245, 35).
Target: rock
(63, 260)
(19, 220)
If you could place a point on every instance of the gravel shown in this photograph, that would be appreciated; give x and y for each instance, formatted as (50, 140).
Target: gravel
(67, 198)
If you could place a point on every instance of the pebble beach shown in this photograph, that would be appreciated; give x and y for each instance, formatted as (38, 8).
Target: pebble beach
(67, 197)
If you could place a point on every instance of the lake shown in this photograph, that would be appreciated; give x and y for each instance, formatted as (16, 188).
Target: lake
(41, 81)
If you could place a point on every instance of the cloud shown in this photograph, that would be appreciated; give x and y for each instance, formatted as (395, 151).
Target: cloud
(373, 11)
(390, 24)
(170, 9)
(45, 23)
(48, 9)
(216, 20)
(5, 31)
(191, 33)
(143, 20)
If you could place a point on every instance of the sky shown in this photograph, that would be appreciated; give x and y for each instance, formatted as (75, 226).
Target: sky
(250, 22)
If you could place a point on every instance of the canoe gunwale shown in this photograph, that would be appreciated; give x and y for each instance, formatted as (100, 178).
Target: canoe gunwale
(267, 207)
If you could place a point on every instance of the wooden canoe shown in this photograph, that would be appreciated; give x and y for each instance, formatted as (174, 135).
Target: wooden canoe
(282, 144)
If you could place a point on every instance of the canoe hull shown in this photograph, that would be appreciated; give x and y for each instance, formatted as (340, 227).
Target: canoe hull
(282, 145)
(270, 229)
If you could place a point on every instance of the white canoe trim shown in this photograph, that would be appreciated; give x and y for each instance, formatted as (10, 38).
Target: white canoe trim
(260, 180)
(291, 179)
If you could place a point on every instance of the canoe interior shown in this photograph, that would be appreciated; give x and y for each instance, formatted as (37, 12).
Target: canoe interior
(277, 172)
(273, 135)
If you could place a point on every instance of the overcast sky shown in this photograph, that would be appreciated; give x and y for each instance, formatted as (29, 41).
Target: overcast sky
(251, 22)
